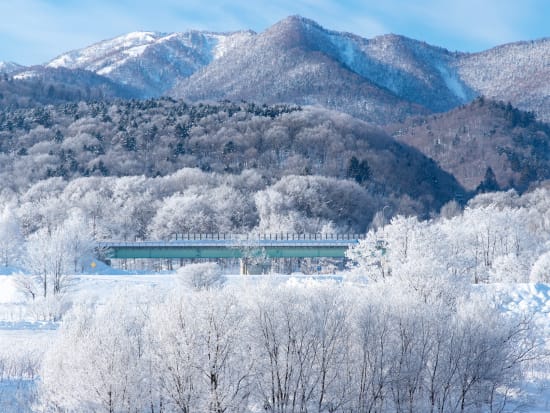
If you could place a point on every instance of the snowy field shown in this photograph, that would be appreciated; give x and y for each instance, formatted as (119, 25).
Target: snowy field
(24, 339)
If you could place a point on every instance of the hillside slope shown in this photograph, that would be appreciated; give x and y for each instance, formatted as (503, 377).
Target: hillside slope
(515, 72)
(37, 85)
(484, 134)
(296, 61)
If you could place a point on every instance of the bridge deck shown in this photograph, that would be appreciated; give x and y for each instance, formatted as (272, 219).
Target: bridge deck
(229, 248)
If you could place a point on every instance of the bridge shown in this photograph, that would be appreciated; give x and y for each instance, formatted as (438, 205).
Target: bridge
(247, 247)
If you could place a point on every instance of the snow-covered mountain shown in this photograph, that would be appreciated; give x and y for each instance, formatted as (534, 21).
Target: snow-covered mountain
(383, 79)
(39, 85)
(151, 61)
(298, 61)
(10, 67)
(296, 49)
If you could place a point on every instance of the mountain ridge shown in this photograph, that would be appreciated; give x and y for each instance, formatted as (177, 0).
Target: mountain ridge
(150, 60)
(382, 80)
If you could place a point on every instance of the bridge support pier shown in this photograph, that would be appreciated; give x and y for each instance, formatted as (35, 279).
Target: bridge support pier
(249, 266)
(243, 266)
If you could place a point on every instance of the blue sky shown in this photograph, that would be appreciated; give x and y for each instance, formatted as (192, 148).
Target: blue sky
(35, 31)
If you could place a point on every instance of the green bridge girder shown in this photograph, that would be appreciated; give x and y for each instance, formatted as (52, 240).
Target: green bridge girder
(223, 249)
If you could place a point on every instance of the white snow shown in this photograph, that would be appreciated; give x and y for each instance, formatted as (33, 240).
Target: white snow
(346, 48)
(8, 290)
(106, 56)
(452, 81)
(29, 74)
(98, 55)
(223, 43)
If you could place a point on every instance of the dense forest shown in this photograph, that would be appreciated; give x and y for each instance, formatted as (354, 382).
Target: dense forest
(238, 166)
(483, 135)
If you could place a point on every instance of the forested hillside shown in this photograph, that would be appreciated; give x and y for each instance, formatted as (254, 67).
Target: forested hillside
(45, 86)
(486, 145)
(298, 61)
(243, 166)
(382, 79)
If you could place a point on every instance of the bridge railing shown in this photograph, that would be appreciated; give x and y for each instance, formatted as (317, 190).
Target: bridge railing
(276, 236)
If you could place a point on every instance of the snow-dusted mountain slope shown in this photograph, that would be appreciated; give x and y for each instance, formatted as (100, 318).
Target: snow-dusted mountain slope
(39, 85)
(10, 67)
(413, 70)
(272, 68)
(297, 61)
(516, 72)
(468, 140)
(151, 61)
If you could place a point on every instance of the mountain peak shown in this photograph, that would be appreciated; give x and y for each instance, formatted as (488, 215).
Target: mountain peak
(296, 19)
(143, 36)
(288, 32)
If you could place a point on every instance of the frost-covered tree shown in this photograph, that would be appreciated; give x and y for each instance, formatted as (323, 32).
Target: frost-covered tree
(300, 341)
(450, 209)
(508, 268)
(540, 271)
(206, 275)
(486, 243)
(297, 346)
(182, 213)
(304, 204)
(47, 259)
(223, 366)
(99, 362)
(53, 256)
(172, 334)
(387, 250)
(11, 237)
(79, 241)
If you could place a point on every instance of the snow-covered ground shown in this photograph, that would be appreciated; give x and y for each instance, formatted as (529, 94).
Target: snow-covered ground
(23, 339)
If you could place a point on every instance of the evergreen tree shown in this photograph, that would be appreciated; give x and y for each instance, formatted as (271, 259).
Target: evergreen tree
(359, 171)
(489, 183)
